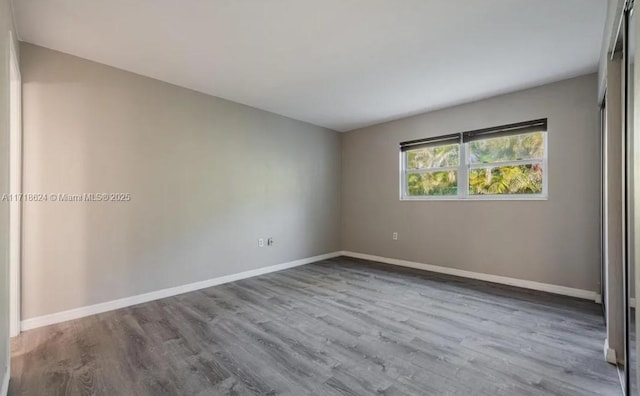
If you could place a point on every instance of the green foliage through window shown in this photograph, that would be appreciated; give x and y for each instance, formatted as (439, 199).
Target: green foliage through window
(508, 148)
(520, 179)
(433, 157)
(507, 165)
(432, 183)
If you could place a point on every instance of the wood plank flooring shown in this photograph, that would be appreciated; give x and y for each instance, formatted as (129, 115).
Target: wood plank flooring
(341, 326)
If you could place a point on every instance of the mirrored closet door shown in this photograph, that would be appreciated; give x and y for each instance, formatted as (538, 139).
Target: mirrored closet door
(632, 212)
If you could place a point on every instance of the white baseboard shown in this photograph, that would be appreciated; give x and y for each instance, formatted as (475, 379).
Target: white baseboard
(5, 382)
(81, 312)
(89, 310)
(546, 287)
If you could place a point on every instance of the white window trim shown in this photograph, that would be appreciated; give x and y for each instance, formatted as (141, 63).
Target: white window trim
(463, 178)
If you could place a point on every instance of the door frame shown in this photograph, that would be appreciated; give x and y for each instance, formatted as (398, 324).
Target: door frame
(15, 188)
(604, 202)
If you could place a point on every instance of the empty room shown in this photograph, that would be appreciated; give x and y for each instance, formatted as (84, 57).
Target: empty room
(339, 197)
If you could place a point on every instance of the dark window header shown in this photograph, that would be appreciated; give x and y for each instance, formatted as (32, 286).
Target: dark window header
(478, 134)
(506, 130)
(430, 142)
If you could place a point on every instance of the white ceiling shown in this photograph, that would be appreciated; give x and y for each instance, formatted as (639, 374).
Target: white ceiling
(342, 64)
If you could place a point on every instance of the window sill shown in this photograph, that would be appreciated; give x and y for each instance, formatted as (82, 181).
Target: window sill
(482, 198)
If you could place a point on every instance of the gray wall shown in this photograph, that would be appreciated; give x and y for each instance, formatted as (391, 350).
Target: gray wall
(6, 25)
(208, 177)
(554, 241)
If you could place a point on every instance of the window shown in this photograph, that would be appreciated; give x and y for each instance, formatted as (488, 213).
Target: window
(502, 162)
(431, 166)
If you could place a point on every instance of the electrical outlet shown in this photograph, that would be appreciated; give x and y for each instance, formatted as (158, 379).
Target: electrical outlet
(260, 242)
(395, 236)
(270, 242)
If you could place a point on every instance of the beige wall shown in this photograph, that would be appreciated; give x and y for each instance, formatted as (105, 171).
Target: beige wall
(207, 177)
(554, 241)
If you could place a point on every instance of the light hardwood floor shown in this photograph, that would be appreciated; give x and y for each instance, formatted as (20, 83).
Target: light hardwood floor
(341, 326)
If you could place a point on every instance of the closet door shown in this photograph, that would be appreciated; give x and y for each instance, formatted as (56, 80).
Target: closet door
(632, 161)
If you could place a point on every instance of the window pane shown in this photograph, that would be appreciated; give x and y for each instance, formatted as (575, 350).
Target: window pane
(433, 157)
(521, 179)
(432, 183)
(508, 148)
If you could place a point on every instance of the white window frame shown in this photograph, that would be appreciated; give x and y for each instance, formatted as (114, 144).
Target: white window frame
(463, 168)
